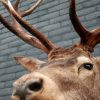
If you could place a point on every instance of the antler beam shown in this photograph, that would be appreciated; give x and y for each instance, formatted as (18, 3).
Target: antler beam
(38, 39)
(88, 39)
(21, 34)
(31, 29)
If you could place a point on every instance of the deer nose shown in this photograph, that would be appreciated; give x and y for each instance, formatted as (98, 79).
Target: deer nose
(29, 87)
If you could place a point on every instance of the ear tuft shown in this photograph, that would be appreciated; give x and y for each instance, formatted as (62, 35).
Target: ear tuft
(30, 64)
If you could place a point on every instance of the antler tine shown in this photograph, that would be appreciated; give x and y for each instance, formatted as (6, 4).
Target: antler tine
(95, 37)
(31, 9)
(21, 34)
(18, 31)
(16, 4)
(49, 45)
(23, 13)
(76, 23)
(88, 39)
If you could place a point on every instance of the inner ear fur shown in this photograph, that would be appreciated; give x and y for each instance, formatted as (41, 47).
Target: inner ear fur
(29, 63)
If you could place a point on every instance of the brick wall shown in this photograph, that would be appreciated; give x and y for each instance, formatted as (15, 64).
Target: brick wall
(52, 19)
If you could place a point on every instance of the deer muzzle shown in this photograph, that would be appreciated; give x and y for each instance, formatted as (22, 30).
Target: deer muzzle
(31, 87)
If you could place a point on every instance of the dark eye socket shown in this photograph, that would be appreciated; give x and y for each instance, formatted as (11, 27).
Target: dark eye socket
(88, 66)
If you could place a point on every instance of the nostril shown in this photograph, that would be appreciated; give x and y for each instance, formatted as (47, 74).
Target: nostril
(36, 86)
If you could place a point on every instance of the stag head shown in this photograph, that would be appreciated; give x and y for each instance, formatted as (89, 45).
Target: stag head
(69, 74)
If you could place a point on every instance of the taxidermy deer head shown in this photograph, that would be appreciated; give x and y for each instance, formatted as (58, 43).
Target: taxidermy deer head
(69, 74)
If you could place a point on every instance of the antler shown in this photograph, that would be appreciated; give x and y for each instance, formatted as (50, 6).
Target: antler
(29, 10)
(88, 39)
(38, 39)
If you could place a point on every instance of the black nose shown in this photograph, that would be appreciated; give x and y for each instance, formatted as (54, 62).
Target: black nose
(29, 87)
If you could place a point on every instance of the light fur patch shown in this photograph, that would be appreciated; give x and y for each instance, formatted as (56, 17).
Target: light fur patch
(83, 59)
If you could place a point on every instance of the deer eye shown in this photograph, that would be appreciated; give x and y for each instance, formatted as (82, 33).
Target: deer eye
(88, 66)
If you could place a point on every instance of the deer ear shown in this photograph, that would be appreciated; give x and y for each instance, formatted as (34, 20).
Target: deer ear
(30, 64)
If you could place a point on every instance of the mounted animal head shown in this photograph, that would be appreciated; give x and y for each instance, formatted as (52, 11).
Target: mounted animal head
(69, 74)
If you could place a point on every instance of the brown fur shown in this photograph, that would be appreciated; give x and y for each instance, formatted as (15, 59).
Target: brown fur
(69, 74)
(68, 79)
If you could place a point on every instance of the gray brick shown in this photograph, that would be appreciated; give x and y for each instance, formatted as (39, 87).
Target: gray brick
(98, 7)
(9, 83)
(62, 1)
(49, 5)
(42, 24)
(1, 98)
(14, 69)
(97, 51)
(21, 52)
(38, 14)
(86, 11)
(69, 36)
(2, 85)
(8, 50)
(64, 11)
(90, 23)
(16, 43)
(9, 39)
(5, 92)
(64, 43)
(56, 38)
(34, 52)
(76, 40)
(59, 31)
(3, 58)
(43, 56)
(2, 36)
(50, 27)
(91, 3)
(3, 47)
(19, 74)
(93, 27)
(80, 1)
(7, 98)
(7, 77)
(58, 7)
(92, 15)
(49, 16)
(24, 47)
(59, 19)
(33, 21)
(65, 23)
(7, 63)
(2, 71)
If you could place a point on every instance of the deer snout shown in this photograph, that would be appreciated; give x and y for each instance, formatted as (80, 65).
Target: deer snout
(32, 86)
